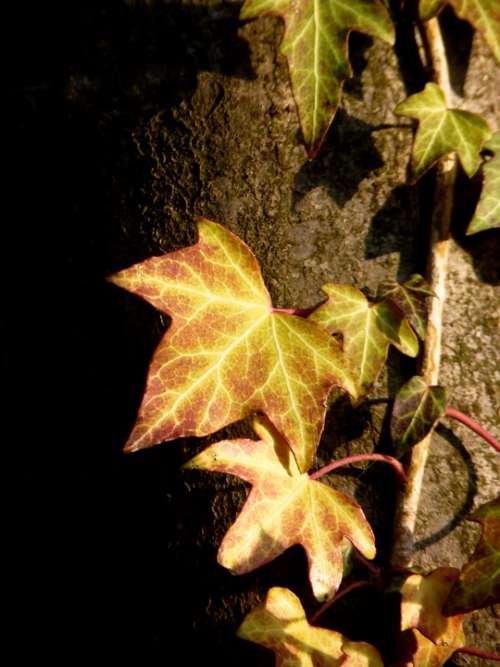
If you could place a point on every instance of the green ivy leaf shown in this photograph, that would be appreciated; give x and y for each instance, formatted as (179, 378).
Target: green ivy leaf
(285, 507)
(487, 214)
(367, 330)
(410, 298)
(483, 14)
(279, 623)
(315, 44)
(442, 130)
(416, 410)
(227, 354)
(479, 582)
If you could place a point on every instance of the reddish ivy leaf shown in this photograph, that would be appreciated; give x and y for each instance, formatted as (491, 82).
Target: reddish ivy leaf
(315, 45)
(367, 330)
(429, 638)
(226, 353)
(483, 14)
(479, 582)
(280, 624)
(416, 410)
(410, 297)
(285, 508)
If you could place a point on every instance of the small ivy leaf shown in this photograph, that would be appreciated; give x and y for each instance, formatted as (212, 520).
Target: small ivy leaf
(416, 410)
(226, 353)
(442, 130)
(285, 508)
(428, 638)
(367, 330)
(410, 297)
(479, 582)
(279, 623)
(315, 45)
(483, 14)
(487, 213)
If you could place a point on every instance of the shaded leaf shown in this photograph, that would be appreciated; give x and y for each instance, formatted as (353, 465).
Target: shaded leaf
(487, 213)
(280, 624)
(315, 44)
(284, 508)
(429, 638)
(367, 330)
(483, 14)
(226, 353)
(416, 410)
(479, 582)
(442, 130)
(410, 298)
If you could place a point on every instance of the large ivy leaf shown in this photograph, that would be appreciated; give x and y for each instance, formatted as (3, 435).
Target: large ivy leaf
(429, 638)
(284, 508)
(487, 213)
(479, 582)
(483, 14)
(442, 130)
(417, 408)
(411, 299)
(368, 329)
(226, 353)
(279, 623)
(315, 44)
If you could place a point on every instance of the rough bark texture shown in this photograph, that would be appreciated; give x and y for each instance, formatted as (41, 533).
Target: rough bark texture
(147, 115)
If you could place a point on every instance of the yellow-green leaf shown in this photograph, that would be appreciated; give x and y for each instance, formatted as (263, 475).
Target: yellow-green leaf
(227, 353)
(429, 638)
(279, 623)
(417, 408)
(284, 508)
(367, 330)
(483, 14)
(442, 130)
(315, 44)
(479, 582)
(487, 213)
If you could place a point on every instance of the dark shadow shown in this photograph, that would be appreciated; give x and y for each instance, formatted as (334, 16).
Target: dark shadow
(358, 46)
(457, 37)
(468, 501)
(347, 157)
(410, 65)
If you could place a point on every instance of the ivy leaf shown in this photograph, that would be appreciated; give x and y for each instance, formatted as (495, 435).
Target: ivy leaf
(226, 353)
(429, 638)
(315, 44)
(285, 508)
(487, 213)
(483, 14)
(280, 624)
(479, 582)
(410, 297)
(367, 330)
(442, 130)
(416, 410)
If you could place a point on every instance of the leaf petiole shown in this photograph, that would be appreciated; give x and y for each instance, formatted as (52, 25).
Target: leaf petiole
(474, 426)
(470, 650)
(362, 457)
(340, 594)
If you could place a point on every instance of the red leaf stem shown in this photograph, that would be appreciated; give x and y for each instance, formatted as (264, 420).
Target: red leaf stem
(361, 457)
(470, 650)
(474, 426)
(300, 312)
(340, 594)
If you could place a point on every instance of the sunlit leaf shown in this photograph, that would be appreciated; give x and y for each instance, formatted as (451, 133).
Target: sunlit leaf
(487, 214)
(315, 44)
(368, 329)
(411, 298)
(279, 623)
(483, 14)
(285, 507)
(442, 130)
(226, 353)
(429, 638)
(479, 582)
(417, 408)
